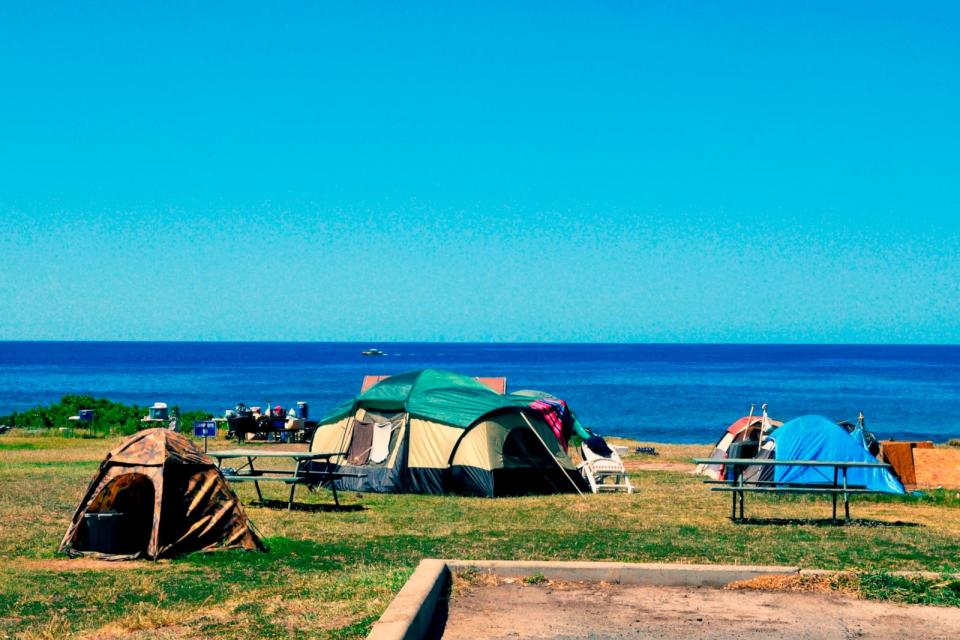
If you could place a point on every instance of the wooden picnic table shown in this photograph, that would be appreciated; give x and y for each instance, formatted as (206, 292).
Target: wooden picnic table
(738, 488)
(303, 473)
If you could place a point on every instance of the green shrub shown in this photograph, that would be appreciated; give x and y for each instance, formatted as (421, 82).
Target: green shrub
(108, 417)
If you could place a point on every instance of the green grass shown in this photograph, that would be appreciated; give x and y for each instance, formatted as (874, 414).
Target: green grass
(330, 575)
(880, 585)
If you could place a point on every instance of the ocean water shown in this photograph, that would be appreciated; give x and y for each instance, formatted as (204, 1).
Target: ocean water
(666, 393)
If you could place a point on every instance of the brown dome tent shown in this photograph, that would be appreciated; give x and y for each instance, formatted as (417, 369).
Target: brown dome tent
(156, 495)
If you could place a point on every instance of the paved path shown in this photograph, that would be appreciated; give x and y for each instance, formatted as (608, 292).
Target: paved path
(601, 612)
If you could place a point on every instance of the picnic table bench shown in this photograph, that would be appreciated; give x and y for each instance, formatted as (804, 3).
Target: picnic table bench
(738, 487)
(305, 472)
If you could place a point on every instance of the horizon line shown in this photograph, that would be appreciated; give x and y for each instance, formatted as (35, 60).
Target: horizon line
(472, 342)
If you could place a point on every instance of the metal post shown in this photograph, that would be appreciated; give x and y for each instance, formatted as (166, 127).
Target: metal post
(742, 494)
(835, 493)
(333, 489)
(846, 497)
(256, 483)
(293, 489)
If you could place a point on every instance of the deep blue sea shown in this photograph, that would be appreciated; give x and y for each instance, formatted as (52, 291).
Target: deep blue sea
(666, 393)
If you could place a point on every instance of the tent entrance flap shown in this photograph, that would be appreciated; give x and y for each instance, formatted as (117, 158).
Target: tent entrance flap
(547, 449)
(120, 517)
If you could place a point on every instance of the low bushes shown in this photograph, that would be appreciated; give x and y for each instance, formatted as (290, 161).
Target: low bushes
(108, 417)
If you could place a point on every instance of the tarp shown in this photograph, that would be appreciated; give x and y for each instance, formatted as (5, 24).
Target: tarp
(818, 438)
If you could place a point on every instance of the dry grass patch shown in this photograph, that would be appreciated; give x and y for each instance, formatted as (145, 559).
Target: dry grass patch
(91, 564)
(845, 582)
(465, 580)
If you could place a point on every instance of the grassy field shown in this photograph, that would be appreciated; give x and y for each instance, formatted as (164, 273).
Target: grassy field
(330, 575)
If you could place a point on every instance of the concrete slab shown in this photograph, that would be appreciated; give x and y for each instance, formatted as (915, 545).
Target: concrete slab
(419, 609)
(604, 611)
(653, 573)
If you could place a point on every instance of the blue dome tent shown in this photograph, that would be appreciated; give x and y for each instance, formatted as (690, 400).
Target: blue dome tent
(817, 438)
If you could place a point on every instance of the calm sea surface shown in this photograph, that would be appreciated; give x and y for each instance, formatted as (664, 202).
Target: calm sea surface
(667, 393)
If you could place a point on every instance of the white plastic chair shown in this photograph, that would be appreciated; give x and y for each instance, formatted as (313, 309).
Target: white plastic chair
(597, 469)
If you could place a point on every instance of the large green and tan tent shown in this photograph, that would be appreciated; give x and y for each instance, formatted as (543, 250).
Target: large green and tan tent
(437, 432)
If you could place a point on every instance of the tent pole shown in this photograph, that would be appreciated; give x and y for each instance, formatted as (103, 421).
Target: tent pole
(763, 425)
(343, 438)
(536, 433)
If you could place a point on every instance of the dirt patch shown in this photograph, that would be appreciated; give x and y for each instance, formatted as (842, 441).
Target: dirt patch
(178, 632)
(89, 564)
(608, 611)
(676, 467)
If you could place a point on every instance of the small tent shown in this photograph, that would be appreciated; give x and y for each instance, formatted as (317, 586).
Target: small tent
(437, 432)
(818, 438)
(159, 496)
(746, 429)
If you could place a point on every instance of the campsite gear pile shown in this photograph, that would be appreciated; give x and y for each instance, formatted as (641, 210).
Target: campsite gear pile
(249, 423)
(154, 496)
(438, 432)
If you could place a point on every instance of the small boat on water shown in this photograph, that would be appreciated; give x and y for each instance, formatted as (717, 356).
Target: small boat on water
(374, 352)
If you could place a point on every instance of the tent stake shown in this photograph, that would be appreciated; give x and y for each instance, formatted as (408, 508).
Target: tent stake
(536, 433)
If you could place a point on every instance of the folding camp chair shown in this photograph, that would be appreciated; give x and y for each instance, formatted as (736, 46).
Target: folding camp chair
(596, 469)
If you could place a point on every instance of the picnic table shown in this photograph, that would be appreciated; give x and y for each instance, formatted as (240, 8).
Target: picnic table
(738, 487)
(305, 471)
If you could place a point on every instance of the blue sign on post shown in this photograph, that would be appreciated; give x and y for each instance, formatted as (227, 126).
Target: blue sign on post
(204, 429)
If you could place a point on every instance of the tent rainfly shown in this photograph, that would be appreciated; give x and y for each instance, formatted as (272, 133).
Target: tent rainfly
(438, 432)
(817, 438)
(156, 495)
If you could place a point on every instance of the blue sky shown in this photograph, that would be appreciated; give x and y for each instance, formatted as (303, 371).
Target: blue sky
(694, 172)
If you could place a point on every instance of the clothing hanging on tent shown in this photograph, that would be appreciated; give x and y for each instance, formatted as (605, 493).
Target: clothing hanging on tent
(555, 414)
(380, 447)
(361, 443)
